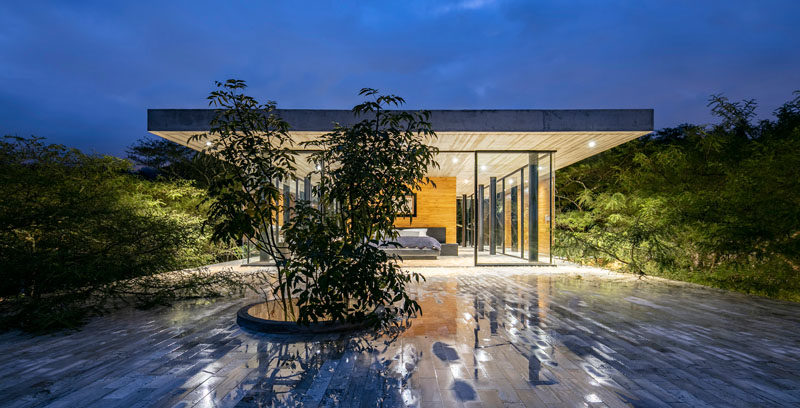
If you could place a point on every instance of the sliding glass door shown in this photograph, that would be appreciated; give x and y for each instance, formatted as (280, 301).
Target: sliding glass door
(514, 195)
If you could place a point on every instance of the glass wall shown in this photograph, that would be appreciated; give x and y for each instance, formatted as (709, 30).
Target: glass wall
(514, 194)
(292, 190)
(503, 203)
(465, 220)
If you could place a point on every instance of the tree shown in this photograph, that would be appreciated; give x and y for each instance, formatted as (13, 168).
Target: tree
(338, 272)
(256, 156)
(328, 264)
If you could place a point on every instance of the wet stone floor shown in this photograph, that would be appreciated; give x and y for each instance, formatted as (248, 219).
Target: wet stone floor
(489, 337)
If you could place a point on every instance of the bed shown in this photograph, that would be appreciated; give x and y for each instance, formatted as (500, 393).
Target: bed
(415, 243)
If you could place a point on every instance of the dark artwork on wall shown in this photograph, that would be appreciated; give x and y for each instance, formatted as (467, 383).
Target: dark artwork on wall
(409, 203)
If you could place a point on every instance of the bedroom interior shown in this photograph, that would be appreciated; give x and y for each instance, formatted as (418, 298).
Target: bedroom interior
(443, 219)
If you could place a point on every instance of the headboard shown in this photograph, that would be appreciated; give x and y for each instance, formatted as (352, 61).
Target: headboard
(437, 233)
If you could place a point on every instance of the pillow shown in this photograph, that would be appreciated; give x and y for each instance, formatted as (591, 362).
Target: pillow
(413, 232)
(408, 233)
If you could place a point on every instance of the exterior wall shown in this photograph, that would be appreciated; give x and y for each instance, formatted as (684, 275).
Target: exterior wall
(436, 207)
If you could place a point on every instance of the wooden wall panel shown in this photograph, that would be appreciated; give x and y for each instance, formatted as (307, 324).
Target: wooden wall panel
(436, 207)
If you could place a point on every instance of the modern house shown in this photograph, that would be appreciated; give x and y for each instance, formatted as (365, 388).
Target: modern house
(494, 189)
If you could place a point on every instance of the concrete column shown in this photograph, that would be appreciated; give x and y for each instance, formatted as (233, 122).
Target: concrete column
(479, 218)
(501, 240)
(307, 189)
(464, 219)
(533, 208)
(286, 204)
(492, 215)
(521, 215)
(471, 235)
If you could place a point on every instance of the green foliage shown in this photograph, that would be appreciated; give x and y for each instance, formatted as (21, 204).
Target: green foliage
(254, 150)
(175, 162)
(712, 204)
(337, 271)
(77, 230)
(326, 258)
(372, 163)
(335, 278)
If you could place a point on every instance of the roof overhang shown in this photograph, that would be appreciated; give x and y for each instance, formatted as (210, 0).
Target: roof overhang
(566, 132)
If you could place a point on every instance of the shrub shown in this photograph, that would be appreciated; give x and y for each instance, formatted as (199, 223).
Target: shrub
(713, 204)
(76, 230)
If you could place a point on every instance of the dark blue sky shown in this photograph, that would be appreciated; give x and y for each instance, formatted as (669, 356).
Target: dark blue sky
(84, 73)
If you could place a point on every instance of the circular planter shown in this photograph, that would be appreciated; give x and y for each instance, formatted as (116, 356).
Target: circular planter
(248, 321)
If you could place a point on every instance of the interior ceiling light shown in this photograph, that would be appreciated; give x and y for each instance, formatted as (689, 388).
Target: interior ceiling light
(455, 159)
(208, 143)
(510, 181)
(483, 168)
(592, 143)
(541, 168)
(466, 181)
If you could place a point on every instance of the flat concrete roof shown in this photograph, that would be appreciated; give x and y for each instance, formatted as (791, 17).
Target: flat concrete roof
(486, 120)
(572, 134)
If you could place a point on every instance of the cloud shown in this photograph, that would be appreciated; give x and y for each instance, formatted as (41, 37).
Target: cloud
(462, 5)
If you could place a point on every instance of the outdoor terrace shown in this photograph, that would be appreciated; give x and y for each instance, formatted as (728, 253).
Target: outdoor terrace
(552, 337)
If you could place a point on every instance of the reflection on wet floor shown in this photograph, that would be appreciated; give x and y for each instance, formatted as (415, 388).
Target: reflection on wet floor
(497, 337)
(274, 310)
(277, 310)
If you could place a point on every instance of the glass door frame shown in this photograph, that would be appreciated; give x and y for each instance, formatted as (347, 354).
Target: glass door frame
(479, 210)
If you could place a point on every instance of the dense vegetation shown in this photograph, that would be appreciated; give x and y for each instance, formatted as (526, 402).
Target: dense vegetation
(717, 205)
(78, 232)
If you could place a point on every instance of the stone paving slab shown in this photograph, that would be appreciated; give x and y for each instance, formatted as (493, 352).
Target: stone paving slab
(510, 337)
